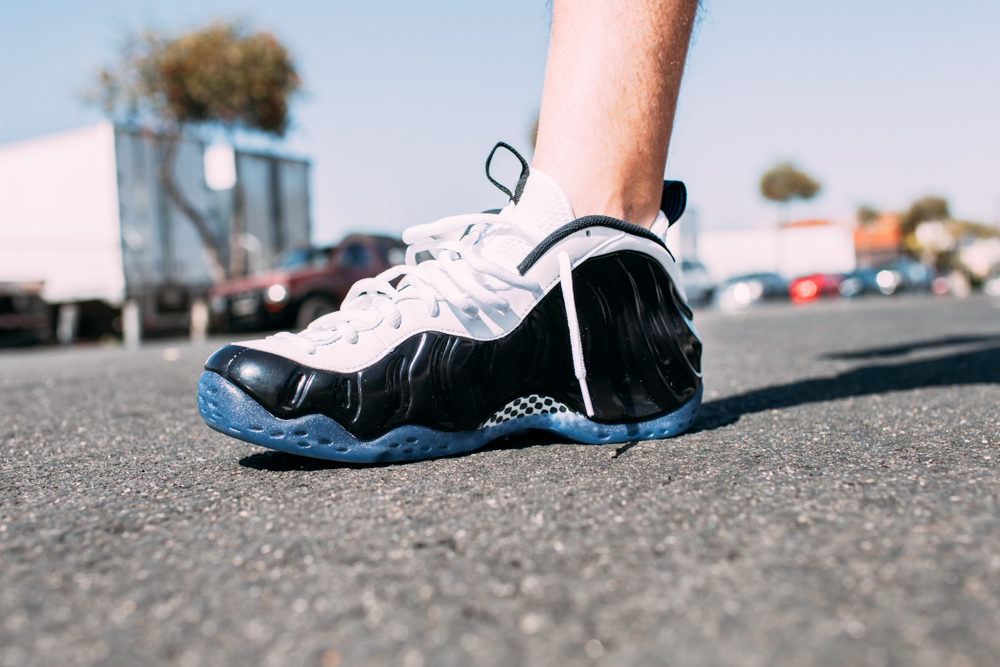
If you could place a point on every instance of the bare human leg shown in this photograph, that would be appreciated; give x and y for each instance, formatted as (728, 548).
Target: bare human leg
(611, 82)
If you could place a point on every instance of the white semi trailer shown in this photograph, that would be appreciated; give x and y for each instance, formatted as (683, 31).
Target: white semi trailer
(84, 213)
(791, 251)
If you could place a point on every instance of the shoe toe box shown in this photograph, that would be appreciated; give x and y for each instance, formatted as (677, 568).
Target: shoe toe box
(264, 376)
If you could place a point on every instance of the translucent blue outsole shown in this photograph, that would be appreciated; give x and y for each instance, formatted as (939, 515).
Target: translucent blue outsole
(227, 409)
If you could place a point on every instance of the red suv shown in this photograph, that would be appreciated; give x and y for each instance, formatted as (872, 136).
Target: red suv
(308, 283)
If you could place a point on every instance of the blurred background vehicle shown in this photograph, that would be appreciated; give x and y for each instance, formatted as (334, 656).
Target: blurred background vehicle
(307, 283)
(815, 286)
(743, 291)
(911, 275)
(698, 285)
(24, 317)
(866, 281)
(902, 275)
(992, 286)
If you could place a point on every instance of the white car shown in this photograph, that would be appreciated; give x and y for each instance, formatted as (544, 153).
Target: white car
(698, 285)
(992, 286)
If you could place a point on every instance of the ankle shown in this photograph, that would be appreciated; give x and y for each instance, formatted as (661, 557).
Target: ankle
(623, 200)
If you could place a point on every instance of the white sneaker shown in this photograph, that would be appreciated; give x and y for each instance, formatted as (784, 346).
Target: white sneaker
(528, 318)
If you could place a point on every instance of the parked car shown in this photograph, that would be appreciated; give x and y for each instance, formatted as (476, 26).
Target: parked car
(742, 291)
(698, 285)
(307, 283)
(913, 276)
(866, 281)
(903, 275)
(24, 316)
(814, 286)
(992, 286)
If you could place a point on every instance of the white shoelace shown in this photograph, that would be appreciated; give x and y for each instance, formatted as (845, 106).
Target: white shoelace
(458, 274)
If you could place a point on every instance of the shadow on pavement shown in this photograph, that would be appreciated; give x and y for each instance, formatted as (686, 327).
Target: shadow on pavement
(900, 350)
(980, 366)
(525, 440)
(284, 462)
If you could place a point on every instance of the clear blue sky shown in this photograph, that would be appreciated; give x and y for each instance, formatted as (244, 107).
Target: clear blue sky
(882, 101)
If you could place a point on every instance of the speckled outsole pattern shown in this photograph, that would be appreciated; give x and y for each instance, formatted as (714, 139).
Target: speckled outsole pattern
(227, 409)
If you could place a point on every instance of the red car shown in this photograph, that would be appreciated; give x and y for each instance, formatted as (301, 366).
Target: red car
(812, 287)
(308, 283)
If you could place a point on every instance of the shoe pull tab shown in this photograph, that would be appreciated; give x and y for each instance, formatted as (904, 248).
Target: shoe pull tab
(673, 201)
(519, 188)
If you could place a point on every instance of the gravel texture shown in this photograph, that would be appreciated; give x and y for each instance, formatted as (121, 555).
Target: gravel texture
(835, 504)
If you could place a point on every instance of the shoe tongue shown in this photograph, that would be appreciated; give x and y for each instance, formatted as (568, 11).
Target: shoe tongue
(542, 209)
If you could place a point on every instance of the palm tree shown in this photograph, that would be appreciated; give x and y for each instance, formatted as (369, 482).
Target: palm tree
(784, 183)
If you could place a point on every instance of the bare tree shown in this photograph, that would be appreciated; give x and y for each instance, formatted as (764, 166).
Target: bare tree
(222, 75)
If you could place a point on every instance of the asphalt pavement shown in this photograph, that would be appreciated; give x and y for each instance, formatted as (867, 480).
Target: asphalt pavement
(835, 504)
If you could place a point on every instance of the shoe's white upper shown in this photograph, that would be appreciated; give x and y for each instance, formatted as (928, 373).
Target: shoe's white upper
(472, 288)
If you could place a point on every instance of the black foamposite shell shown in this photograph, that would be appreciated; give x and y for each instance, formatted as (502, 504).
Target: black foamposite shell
(642, 358)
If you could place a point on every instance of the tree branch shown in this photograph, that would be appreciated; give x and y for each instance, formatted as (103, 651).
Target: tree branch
(171, 141)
